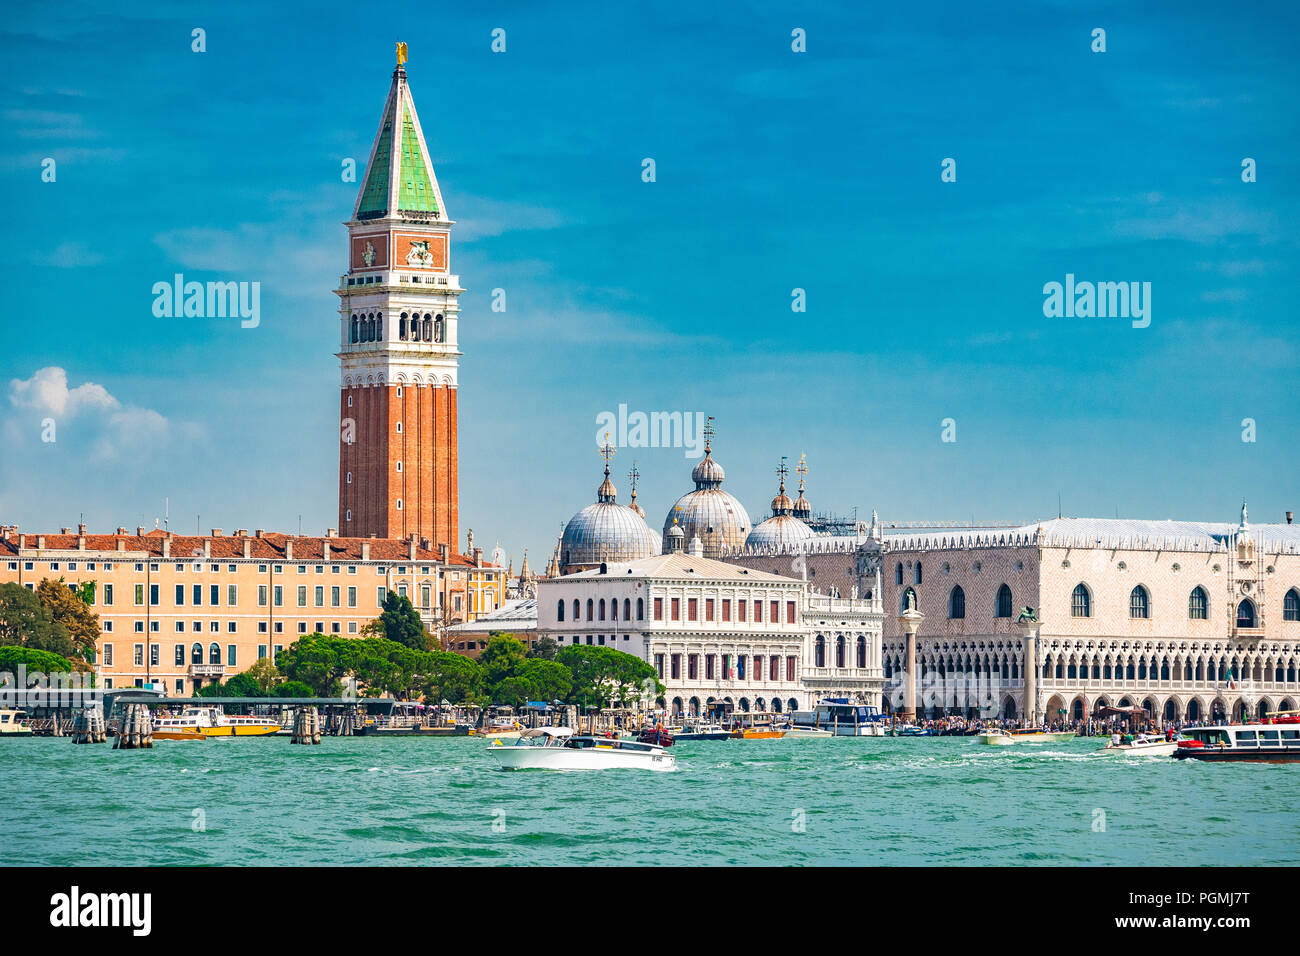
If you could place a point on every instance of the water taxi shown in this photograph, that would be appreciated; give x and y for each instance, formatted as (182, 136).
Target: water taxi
(698, 729)
(997, 737)
(1258, 743)
(502, 728)
(841, 719)
(200, 723)
(1150, 745)
(12, 723)
(557, 748)
(747, 726)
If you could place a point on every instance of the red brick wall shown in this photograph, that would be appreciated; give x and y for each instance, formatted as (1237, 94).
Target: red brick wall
(428, 483)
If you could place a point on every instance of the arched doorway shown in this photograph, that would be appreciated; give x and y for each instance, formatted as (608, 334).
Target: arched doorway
(776, 705)
(1194, 709)
(694, 707)
(1009, 708)
(792, 704)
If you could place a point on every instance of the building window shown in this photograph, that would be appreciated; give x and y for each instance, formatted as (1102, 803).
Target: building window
(726, 609)
(692, 609)
(1080, 602)
(108, 594)
(789, 612)
(1004, 601)
(676, 609)
(898, 573)
(1198, 604)
(1246, 613)
(918, 573)
(820, 657)
(957, 603)
(196, 653)
(214, 654)
(1290, 606)
(659, 608)
(1137, 602)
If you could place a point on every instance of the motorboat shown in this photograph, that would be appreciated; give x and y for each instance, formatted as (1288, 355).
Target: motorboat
(1257, 743)
(558, 748)
(657, 734)
(200, 723)
(998, 737)
(12, 723)
(701, 730)
(503, 728)
(840, 719)
(911, 730)
(1150, 745)
(793, 731)
(755, 726)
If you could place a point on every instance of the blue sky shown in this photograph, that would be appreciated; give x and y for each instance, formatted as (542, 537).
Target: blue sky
(775, 170)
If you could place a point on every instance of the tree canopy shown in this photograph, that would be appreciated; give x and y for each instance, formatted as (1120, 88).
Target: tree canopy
(25, 621)
(399, 622)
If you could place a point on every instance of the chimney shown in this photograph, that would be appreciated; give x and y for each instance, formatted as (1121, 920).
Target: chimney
(248, 546)
(442, 551)
(121, 531)
(81, 539)
(325, 548)
(167, 545)
(412, 547)
(697, 547)
(81, 529)
(288, 549)
(121, 545)
(331, 532)
(216, 532)
(22, 542)
(257, 533)
(241, 533)
(365, 550)
(1289, 516)
(478, 557)
(207, 547)
(40, 542)
(65, 531)
(139, 531)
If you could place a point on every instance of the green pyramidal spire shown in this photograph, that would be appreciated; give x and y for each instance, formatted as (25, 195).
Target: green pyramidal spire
(399, 181)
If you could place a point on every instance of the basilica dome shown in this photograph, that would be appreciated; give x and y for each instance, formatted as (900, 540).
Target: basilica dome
(782, 532)
(604, 533)
(709, 513)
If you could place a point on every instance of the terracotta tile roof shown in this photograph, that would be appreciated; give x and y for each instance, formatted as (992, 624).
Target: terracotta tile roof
(270, 546)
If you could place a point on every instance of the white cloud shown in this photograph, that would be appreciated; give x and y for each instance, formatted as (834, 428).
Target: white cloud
(119, 429)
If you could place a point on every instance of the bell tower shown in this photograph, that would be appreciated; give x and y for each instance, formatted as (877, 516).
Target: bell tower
(398, 356)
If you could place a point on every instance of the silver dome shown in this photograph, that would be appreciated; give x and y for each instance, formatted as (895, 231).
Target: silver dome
(604, 533)
(781, 533)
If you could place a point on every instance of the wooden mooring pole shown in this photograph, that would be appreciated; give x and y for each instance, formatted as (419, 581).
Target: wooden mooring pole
(88, 727)
(137, 729)
(306, 726)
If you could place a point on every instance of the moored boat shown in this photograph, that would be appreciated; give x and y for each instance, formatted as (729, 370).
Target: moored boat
(840, 718)
(12, 723)
(557, 748)
(1257, 743)
(199, 723)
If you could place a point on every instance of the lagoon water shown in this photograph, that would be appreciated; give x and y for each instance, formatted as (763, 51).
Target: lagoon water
(925, 801)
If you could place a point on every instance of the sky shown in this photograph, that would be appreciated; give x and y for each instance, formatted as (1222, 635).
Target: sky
(775, 170)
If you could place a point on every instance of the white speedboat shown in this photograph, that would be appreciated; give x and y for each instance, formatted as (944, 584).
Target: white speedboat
(807, 732)
(998, 737)
(1150, 745)
(556, 748)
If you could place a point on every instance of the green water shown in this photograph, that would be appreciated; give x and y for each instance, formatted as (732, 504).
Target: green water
(860, 801)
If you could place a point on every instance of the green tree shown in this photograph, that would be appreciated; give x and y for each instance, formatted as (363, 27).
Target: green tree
(69, 608)
(295, 688)
(26, 622)
(399, 621)
(502, 657)
(546, 680)
(34, 660)
(603, 676)
(314, 660)
(454, 678)
(545, 647)
(265, 674)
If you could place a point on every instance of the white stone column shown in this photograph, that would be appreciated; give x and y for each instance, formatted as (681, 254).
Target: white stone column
(1029, 700)
(910, 621)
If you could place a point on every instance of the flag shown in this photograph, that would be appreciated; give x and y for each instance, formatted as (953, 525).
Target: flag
(1232, 684)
